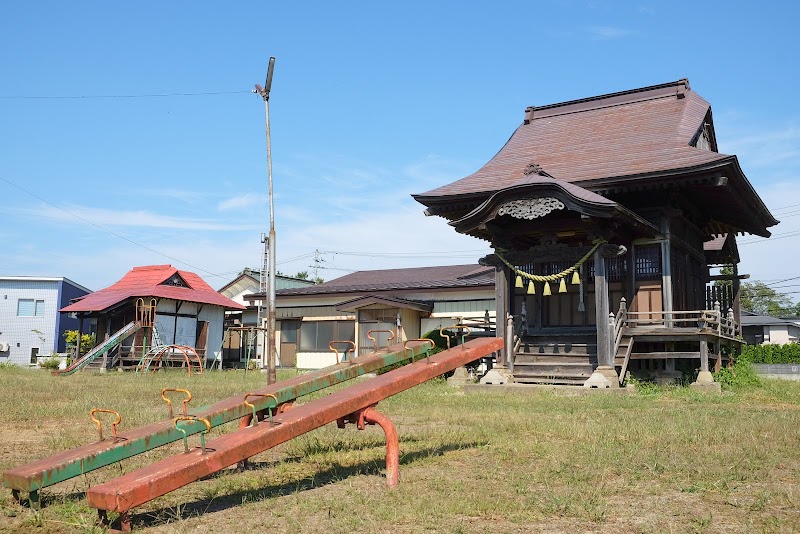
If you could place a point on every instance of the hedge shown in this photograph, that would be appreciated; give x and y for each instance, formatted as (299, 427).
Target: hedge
(788, 353)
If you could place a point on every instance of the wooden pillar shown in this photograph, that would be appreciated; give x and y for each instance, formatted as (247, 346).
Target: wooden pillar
(604, 356)
(737, 297)
(78, 341)
(704, 356)
(605, 375)
(501, 292)
(630, 293)
(356, 336)
(666, 271)
(175, 326)
(704, 376)
(666, 280)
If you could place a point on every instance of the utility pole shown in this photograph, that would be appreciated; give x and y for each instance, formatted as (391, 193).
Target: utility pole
(263, 288)
(317, 261)
(269, 349)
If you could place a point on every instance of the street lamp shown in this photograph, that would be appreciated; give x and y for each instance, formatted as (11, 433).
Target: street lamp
(269, 349)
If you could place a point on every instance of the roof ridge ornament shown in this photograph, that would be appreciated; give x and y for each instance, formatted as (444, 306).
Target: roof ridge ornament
(532, 168)
(535, 168)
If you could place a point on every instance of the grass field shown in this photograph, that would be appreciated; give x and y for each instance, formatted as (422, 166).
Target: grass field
(661, 460)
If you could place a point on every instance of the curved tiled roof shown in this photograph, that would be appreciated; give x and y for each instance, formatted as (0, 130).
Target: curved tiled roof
(652, 137)
(624, 134)
(148, 281)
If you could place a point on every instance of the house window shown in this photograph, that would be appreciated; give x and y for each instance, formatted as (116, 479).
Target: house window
(175, 280)
(34, 354)
(386, 315)
(30, 308)
(316, 335)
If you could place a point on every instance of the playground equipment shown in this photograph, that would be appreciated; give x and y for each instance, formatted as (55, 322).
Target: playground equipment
(353, 404)
(166, 354)
(250, 334)
(31, 478)
(145, 318)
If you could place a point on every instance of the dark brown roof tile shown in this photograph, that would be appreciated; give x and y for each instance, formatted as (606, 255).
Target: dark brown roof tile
(603, 137)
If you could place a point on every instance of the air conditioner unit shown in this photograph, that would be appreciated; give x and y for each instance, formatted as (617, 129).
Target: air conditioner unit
(3, 346)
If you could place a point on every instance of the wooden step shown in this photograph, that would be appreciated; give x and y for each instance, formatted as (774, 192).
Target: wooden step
(663, 355)
(565, 373)
(557, 348)
(555, 367)
(523, 359)
(550, 381)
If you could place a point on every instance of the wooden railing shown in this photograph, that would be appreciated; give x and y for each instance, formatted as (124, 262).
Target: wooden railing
(722, 324)
(513, 340)
(618, 327)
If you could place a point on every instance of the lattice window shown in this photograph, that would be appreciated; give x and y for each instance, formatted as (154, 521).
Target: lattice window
(648, 262)
(616, 268)
(555, 267)
(527, 268)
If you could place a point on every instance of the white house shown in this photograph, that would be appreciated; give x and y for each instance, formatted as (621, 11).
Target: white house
(238, 345)
(407, 302)
(764, 329)
(30, 324)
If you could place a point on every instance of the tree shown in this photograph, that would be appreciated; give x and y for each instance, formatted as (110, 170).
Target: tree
(759, 298)
(87, 340)
(726, 269)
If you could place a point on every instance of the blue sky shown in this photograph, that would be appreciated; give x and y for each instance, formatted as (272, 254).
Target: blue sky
(370, 103)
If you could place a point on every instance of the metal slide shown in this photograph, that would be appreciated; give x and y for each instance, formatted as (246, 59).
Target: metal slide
(118, 337)
(32, 477)
(352, 404)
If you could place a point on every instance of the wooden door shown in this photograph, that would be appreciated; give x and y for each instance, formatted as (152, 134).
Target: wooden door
(232, 348)
(648, 298)
(288, 350)
(201, 338)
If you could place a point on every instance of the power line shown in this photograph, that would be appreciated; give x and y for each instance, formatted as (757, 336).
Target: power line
(411, 254)
(318, 261)
(94, 97)
(90, 223)
(774, 237)
(296, 258)
(788, 213)
(785, 280)
(782, 287)
(785, 207)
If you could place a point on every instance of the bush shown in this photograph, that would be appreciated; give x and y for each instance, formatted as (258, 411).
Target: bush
(52, 363)
(439, 340)
(788, 353)
(741, 374)
(398, 365)
(87, 340)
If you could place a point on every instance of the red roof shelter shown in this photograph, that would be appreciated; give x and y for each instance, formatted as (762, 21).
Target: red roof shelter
(188, 312)
(159, 281)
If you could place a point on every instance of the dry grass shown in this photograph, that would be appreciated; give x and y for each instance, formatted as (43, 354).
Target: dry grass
(667, 461)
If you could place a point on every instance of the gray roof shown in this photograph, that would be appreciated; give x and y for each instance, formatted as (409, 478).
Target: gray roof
(765, 320)
(440, 277)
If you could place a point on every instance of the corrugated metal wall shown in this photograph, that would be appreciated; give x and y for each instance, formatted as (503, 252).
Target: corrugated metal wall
(18, 332)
